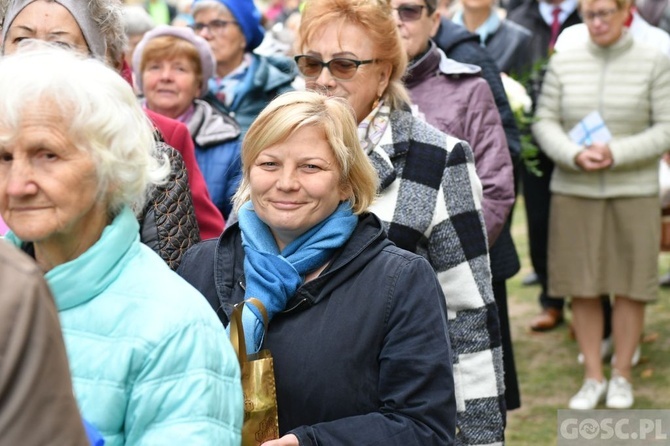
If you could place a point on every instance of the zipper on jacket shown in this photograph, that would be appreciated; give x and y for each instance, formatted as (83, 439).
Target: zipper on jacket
(300, 303)
(601, 86)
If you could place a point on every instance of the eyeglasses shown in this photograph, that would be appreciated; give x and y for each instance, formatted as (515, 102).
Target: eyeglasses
(604, 15)
(214, 26)
(409, 13)
(340, 68)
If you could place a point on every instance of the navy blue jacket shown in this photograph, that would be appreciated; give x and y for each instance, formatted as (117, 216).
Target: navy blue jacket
(362, 353)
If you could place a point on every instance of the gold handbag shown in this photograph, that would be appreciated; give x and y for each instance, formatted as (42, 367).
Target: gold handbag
(258, 382)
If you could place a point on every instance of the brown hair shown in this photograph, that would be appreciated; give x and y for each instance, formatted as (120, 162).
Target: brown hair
(168, 48)
(374, 16)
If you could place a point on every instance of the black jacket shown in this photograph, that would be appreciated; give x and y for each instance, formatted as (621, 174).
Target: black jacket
(510, 48)
(362, 353)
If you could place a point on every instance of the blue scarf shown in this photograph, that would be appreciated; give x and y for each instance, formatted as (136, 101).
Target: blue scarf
(274, 277)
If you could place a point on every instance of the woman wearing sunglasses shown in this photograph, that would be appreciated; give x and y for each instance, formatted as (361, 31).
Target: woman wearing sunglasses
(430, 196)
(244, 82)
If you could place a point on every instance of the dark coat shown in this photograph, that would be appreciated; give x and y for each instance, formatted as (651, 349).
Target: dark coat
(509, 46)
(528, 15)
(362, 353)
(167, 222)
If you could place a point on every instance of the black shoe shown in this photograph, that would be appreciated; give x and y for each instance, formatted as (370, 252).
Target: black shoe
(531, 279)
(664, 281)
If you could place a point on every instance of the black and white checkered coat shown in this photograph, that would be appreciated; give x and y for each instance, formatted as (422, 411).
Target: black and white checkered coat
(430, 202)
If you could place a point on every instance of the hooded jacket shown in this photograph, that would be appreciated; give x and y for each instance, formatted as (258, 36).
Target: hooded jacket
(454, 98)
(463, 46)
(217, 149)
(361, 354)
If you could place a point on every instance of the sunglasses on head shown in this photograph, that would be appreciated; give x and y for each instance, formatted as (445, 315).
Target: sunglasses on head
(409, 13)
(340, 68)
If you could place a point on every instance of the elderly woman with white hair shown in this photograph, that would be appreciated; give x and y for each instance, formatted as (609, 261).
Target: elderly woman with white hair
(149, 360)
(96, 28)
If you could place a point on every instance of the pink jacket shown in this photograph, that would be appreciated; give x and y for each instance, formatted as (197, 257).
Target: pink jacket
(454, 98)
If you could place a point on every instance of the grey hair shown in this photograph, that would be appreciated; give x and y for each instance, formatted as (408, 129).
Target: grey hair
(136, 20)
(108, 17)
(206, 5)
(100, 114)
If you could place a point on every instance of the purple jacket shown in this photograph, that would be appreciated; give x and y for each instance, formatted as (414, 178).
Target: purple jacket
(454, 98)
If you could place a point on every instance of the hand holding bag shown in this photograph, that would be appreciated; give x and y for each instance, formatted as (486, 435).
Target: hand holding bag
(258, 382)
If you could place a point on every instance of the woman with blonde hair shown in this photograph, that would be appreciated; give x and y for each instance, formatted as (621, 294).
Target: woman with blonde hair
(333, 285)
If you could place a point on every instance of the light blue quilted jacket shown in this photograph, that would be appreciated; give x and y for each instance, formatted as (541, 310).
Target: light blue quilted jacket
(150, 361)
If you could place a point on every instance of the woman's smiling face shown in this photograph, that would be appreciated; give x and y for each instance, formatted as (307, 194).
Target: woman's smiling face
(295, 184)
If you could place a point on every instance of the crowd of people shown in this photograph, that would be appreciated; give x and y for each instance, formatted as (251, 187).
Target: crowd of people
(351, 164)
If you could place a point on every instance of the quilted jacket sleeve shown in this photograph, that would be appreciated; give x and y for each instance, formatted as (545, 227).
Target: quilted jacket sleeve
(188, 391)
(168, 223)
(492, 158)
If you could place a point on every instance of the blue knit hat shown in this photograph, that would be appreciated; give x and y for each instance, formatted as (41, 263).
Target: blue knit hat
(249, 19)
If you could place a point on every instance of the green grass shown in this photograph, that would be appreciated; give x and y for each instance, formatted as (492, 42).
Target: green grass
(547, 365)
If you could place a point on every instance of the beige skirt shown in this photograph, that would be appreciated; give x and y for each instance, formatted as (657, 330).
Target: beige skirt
(604, 246)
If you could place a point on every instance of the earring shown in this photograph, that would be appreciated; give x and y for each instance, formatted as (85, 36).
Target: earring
(376, 103)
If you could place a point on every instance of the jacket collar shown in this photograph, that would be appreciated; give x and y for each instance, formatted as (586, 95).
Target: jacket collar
(618, 47)
(80, 280)
(367, 240)
(210, 128)
(435, 60)
(272, 72)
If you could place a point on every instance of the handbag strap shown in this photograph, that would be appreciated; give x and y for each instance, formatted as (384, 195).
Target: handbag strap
(237, 329)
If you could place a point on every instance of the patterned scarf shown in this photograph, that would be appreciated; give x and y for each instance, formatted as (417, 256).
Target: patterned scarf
(224, 88)
(274, 277)
(371, 129)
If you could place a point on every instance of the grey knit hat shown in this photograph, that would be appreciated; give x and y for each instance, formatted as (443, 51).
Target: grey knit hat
(79, 10)
(207, 61)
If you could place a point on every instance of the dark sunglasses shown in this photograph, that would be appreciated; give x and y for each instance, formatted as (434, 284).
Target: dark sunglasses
(340, 68)
(214, 26)
(409, 13)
